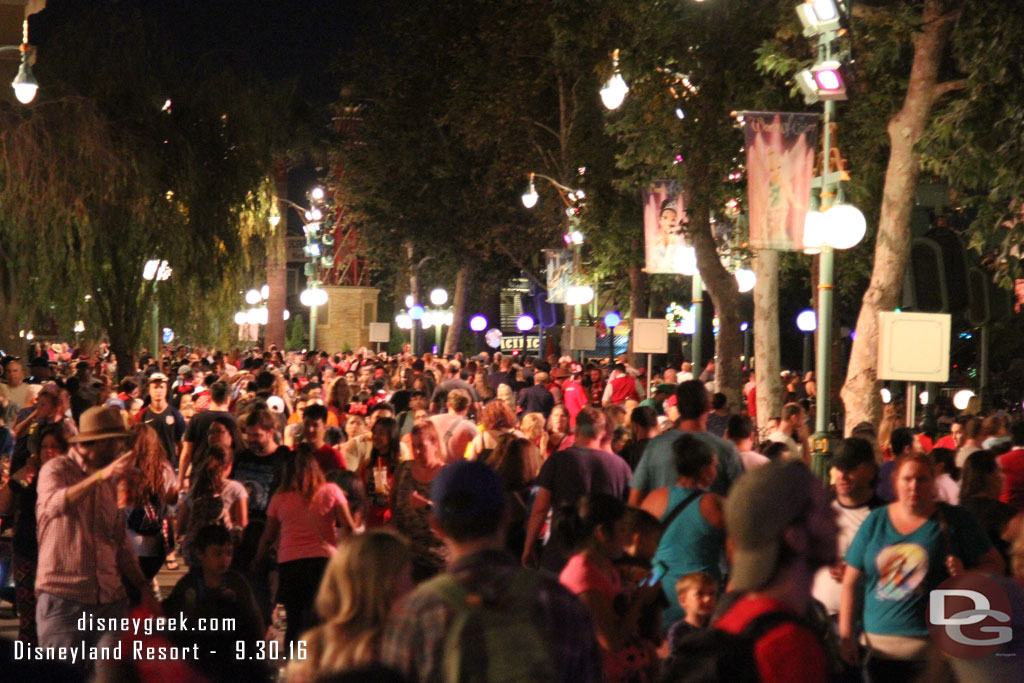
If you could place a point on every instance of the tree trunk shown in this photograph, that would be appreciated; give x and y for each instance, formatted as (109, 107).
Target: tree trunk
(892, 245)
(638, 296)
(767, 365)
(721, 285)
(277, 272)
(451, 340)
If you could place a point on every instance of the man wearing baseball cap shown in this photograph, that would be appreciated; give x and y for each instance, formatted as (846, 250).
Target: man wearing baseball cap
(782, 531)
(552, 628)
(83, 548)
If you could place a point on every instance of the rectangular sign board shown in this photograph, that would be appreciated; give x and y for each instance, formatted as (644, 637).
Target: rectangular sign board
(650, 335)
(515, 343)
(380, 332)
(913, 347)
(582, 338)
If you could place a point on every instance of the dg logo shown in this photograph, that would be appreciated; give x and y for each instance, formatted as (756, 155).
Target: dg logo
(969, 616)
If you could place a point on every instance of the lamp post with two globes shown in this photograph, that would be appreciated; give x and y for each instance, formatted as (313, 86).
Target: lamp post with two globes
(156, 271)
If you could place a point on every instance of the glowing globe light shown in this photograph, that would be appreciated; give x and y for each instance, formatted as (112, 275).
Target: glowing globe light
(807, 321)
(409, 301)
(886, 395)
(745, 279)
(924, 397)
(261, 314)
(744, 327)
(478, 323)
(525, 323)
(252, 297)
(265, 292)
(614, 92)
(403, 321)
(962, 399)
(686, 261)
(317, 193)
(416, 312)
(313, 297)
(287, 314)
(845, 226)
(241, 318)
(612, 320)
(439, 297)
(814, 232)
(252, 316)
(579, 295)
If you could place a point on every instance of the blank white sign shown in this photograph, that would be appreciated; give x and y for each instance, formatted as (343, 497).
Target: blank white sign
(380, 332)
(913, 347)
(650, 335)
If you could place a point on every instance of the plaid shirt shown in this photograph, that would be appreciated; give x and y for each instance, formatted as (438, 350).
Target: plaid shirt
(82, 549)
(414, 640)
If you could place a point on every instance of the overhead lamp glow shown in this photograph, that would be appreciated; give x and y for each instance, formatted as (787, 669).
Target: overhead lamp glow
(286, 314)
(924, 397)
(525, 323)
(241, 318)
(404, 321)
(828, 79)
(814, 232)
(818, 16)
(612, 319)
(614, 92)
(317, 193)
(530, 196)
(252, 297)
(155, 268)
(265, 292)
(579, 295)
(79, 327)
(744, 327)
(409, 301)
(30, 335)
(427, 320)
(886, 395)
(962, 399)
(686, 261)
(478, 323)
(261, 315)
(439, 297)
(845, 226)
(317, 214)
(416, 312)
(252, 316)
(274, 219)
(745, 279)
(807, 321)
(25, 84)
(313, 297)
(576, 237)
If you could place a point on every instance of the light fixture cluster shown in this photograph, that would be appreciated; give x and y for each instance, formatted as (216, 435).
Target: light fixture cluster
(826, 80)
(614, 91)
(842, 226)
(318, 228)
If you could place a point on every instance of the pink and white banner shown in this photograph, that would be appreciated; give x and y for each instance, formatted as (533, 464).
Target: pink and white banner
(780, 166)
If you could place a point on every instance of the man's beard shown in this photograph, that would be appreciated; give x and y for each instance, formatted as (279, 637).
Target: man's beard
(105, 452)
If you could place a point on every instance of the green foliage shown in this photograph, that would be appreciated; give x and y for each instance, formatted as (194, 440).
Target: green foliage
(297, 336)
(122, 179)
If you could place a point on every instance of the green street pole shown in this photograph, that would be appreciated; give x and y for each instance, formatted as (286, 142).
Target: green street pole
(437, 337)
(156, 324)
(698, 327)
(821, 451)
(983, 371)
(312, 324)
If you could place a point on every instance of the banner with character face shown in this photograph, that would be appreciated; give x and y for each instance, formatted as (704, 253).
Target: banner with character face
(780, 166)
(559, 274)
(665, 228)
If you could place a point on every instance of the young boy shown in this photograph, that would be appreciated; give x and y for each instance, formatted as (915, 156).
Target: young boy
(698, 595)
(213, 580)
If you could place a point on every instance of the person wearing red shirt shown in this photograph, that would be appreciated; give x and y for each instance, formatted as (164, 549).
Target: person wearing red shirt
(783, 530)
(1012, 463)
(574, 396)
(314, 430)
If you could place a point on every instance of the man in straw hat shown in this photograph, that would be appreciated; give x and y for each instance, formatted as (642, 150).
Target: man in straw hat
(83, 549)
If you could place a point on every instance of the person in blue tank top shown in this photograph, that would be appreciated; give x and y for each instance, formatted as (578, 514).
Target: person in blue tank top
(694, 522)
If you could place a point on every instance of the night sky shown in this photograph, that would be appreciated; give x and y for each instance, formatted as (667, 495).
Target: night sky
(280, 39)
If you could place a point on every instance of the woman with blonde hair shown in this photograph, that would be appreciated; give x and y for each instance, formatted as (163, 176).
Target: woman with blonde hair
(364, 578)
(410, 501)
(533, 428)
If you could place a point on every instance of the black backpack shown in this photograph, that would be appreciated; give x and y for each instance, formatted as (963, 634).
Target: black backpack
(711, 654)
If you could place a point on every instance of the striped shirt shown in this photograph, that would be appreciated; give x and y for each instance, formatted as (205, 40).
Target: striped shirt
(83, 549)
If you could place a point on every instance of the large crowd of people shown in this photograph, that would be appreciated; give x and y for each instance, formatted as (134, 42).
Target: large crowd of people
(361, 516)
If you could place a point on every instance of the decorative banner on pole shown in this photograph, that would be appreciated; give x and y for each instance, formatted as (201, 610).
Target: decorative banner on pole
(780, 164)
(664, 228)
(560, 268)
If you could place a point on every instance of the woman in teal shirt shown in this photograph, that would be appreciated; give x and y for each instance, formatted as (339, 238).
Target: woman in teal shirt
(693, 540)
(901, 553)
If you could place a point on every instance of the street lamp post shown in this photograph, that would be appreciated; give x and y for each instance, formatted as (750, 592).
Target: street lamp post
(317, 227)
(807, 322)
(524, 324)
(611, 321)
(478, 324)
(24, 83)
(156, 271)
(842, 226)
